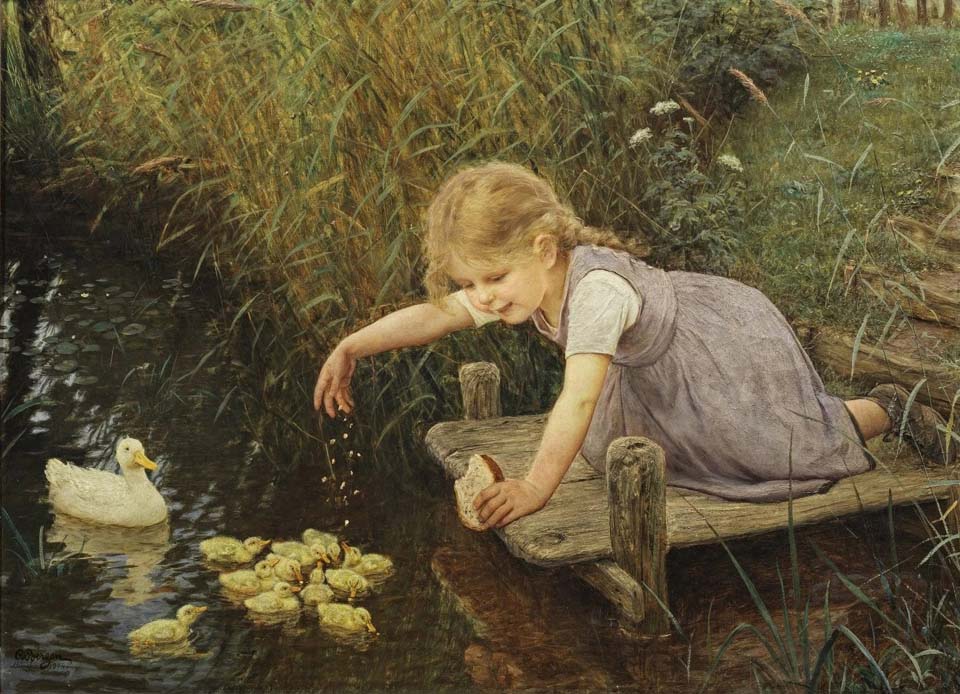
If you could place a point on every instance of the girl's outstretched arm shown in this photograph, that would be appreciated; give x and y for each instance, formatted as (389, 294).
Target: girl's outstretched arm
(504, 502)
(414, 325)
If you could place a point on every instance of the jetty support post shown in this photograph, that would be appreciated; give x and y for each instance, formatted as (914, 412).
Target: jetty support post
(636, 490)
(480, 389)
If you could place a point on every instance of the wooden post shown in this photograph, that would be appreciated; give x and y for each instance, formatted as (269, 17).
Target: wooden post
(636, 489)
(480, 388)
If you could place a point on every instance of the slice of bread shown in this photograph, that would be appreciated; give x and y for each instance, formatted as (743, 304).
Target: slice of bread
(482, 471)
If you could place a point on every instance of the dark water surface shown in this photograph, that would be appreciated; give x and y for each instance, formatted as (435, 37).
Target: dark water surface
(108, 345)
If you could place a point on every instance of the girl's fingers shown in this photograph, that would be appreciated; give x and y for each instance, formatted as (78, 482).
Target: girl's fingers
(486, 494)
(508, 519)
(497, 516)
(489, 509)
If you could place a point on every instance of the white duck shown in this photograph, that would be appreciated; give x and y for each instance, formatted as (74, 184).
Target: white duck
(97, 496)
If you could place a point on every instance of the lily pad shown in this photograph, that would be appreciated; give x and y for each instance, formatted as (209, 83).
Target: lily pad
(92, 347)
(118, 319)
(113, 289)
(67, 348)
(89, 285)
(128, 295)
(65, 366)
(133, 329)
(71, 317)
(102, 326)
(153, 334)
(84, 323)
(38, 300)
(86, 380)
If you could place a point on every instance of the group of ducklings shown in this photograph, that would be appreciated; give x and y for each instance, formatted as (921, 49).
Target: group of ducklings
(337, 570)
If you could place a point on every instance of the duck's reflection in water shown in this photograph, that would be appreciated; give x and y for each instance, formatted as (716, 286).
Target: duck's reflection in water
(142, 548)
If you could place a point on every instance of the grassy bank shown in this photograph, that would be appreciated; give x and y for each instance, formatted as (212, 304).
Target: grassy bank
(290, 148)
(839, 158)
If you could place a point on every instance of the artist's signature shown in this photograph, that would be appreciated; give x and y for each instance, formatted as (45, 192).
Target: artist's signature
(26, 658)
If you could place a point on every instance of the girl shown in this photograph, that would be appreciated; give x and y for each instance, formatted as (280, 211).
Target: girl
(705, 366)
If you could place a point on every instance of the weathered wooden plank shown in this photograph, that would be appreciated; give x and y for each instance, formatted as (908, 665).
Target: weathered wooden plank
(925, 235)
(907, 356)
(930, 296)
(510, 433)
(636, 491)
(573, 527)
(480, 390)
(616, 584)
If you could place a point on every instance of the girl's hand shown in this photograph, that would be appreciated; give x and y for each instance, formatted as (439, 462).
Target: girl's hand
(503, 502)
(333, 383)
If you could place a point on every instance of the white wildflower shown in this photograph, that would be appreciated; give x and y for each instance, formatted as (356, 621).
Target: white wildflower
(642, 135)
(731, 162)
(688, 120)
(662, 108)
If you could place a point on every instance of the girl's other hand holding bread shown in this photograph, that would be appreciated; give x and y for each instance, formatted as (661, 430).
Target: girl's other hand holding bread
(503, 502)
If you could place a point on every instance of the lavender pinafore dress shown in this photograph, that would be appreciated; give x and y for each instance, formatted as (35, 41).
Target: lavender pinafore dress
(714, 374)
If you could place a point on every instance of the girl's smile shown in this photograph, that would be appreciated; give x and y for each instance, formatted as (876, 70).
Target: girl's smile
(514, 290)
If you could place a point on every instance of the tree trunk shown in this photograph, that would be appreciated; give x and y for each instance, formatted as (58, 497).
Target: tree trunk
(849, 11)
(903, 17)
(947, 13)
(922, 18)
(883, 12)
(934, 10)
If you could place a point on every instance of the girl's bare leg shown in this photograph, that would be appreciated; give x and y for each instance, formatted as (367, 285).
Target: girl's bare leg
(870, 417)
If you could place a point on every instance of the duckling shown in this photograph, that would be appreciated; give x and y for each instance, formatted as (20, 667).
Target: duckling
(312, 536)
(373, 566)
(166, 631)
(347, 584)
(351, 555)
(96, 496)
(229, 550)
(294, 550)
(317, 590)
(280, 599)
(285, 569)
(341, 618)
(328, 554)
(247, 582)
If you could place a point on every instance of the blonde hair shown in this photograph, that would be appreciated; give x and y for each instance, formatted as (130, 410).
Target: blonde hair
(491, 213)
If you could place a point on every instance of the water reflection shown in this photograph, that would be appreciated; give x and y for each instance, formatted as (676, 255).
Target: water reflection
(140, 549)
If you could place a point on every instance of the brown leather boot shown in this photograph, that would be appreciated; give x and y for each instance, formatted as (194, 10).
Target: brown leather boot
(923, 426)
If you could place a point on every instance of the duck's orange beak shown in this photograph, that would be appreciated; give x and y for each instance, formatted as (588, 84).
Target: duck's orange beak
(143, 461)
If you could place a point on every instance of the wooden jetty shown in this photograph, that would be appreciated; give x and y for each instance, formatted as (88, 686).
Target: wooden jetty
(615, 533)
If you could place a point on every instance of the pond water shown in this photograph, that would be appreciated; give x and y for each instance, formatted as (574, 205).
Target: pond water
(97, 344)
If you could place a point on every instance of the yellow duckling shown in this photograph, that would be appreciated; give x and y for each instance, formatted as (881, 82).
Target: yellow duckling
(328, 554)
(97, 496)
(318, 537)
(351, 555)
(250, 582)
(164, 632)
(285, 569)
(317, 590)
(340, 618)
(373, 566)
(294, 550)
(347, 584)
(280, 599)
(229, 550)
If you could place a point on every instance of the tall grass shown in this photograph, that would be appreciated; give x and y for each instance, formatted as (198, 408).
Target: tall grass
(297, 145)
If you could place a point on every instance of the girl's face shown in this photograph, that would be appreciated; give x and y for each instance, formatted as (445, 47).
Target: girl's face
(513, 289)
